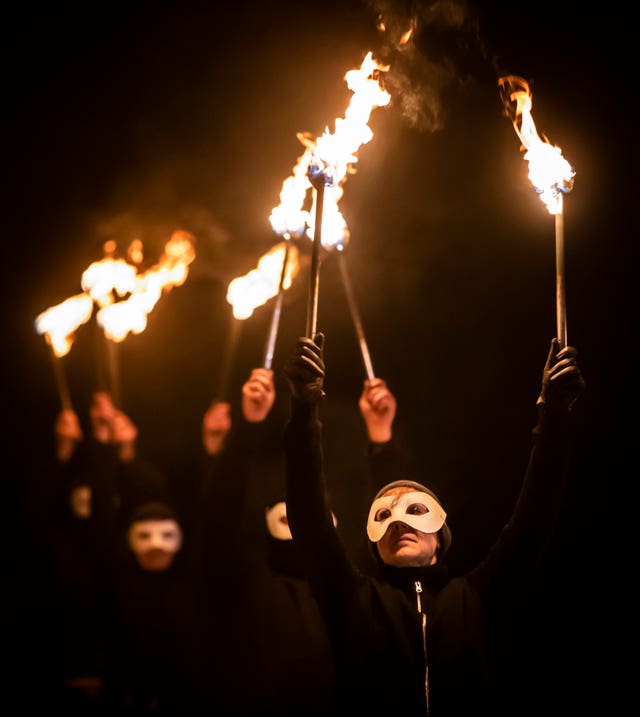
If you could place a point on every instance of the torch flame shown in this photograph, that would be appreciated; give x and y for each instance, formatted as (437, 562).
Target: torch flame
(246, 293)
(104, 282)
(118, 319)
(59, 323)
(102, 279)
(333, 156)
(549, 172)
(135, 253)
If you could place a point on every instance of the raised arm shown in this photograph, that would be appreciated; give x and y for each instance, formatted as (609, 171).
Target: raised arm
(378, 409)
(524, 543)
(308, 506)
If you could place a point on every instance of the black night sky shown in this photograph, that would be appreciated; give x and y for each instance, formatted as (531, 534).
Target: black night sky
(132, 121)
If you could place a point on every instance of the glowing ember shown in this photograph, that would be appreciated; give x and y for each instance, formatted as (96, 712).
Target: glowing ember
(333, 156)
(405, 36)
(549, 172)
(59, 323)
(135, 253)
(246, 293)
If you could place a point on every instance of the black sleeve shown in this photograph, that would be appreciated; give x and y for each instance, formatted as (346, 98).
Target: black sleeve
(330, 572)
(517, 558)
(225, 506)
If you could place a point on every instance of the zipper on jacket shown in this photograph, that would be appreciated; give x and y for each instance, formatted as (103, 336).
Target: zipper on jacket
(423, 615)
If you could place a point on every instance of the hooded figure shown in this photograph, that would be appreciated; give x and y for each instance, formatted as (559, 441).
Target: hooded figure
(397, 509)
(270, 645)
(154, 535)
(412, 640)
(150, 596)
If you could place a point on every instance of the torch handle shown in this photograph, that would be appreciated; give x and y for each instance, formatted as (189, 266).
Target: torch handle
(271, 342)
(561, 308)
(312, 303)
(61, 382)
(114, 372)
(227, 359)
(355, 315)
(277, 310)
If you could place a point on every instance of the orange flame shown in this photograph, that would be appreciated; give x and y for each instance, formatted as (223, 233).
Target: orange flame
(110, 279)
(333, 155)
(118, 319)
(59, 323)
(246, 293)
(549, 172)
(102, 279)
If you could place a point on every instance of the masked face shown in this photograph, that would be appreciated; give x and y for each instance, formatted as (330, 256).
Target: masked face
(80, 501)
(155, 542)
(414, 508)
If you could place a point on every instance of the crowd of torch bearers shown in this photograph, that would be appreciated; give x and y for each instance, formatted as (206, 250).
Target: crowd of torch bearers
(125, 297)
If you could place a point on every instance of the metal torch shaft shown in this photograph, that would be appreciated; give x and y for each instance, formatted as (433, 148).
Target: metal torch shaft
(314, 277)
(355, 315)
(61, 382)
(227, 360)
(114, 372)
(561, 308)
(277, 310)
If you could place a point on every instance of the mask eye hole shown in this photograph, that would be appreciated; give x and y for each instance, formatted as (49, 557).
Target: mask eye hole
(382, 514)
(417, 509)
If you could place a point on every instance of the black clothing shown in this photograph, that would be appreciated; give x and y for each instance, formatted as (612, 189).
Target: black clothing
(80, 562)
(66, 559)
(150, 620)
(376, 623)
(263, 619)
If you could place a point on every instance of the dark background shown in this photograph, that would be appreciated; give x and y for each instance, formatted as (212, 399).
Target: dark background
(133, 121)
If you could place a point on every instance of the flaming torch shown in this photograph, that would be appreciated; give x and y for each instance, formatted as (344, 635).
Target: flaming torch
(550, 173)
(324, 166)
(110, 279)
(274, 273)
(59, 324)
(287, 274)
(106, 281)
(355, 313)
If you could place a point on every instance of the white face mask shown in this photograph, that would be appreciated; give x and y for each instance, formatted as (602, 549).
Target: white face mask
(277, 522)
(155, 542)
(417, 509)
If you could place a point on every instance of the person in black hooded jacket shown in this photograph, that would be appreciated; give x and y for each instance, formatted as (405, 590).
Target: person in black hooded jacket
(145, 578)
(263, 619)
(410, 640)
(69, 552)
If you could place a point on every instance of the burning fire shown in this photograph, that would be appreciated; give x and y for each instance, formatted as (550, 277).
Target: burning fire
(246, 293)
(107, 282)
(549, 172)
(107, 279)
(110, 279)
(332, 155)
(59, 323)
